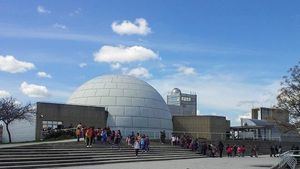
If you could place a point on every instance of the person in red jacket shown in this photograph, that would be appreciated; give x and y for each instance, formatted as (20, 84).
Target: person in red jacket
(229, 150)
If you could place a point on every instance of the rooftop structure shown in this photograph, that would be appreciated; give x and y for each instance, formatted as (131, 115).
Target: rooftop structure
(182, 104)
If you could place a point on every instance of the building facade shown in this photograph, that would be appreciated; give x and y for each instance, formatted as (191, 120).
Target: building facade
(203, 127)
(270, 114)
(58, 116)
(182, 104)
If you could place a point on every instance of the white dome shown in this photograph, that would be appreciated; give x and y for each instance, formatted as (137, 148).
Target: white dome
(133, 104)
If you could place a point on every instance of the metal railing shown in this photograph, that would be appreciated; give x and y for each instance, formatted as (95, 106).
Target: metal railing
(289, 158)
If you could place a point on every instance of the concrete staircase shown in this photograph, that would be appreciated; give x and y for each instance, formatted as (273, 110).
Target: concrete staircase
(76, 154)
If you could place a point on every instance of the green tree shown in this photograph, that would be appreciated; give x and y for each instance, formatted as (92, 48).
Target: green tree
(289, 96)
(11, 110)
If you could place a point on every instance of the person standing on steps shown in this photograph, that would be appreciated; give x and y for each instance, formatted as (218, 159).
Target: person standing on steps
(89, 137)
(162, 137)
(78, 133)
(136, 147)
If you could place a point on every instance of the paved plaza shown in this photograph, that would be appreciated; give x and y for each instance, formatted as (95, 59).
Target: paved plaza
(203, 163)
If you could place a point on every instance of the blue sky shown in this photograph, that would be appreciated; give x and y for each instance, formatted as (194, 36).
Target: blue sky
(231, 53)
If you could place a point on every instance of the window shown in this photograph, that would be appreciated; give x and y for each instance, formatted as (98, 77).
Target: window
(186, 99)
(51, 124)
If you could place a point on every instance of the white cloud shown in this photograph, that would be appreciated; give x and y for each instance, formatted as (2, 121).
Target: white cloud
(122, 54)
(139, 72)
(43, 10)
(33, 90)
(59, 26)
(115, 66)
(81, 65)
(186, 70)
(140, 27)
(4, 93)
(44, 75)
(10, 64)
(75, 12)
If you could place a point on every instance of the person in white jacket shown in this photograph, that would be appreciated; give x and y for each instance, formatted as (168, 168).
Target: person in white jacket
(136, 147)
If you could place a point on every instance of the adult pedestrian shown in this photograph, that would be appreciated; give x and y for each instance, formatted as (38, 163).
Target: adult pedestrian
(221, 147)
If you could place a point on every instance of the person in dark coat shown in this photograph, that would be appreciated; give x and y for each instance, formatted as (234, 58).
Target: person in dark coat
(220, 148)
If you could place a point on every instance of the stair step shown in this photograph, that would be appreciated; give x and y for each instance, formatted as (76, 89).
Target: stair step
(140, 159)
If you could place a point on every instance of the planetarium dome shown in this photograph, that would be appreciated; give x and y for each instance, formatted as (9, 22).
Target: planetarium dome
(132, 104)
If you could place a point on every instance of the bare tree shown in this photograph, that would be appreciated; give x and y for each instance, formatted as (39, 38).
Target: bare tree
(11, 110)
(289, 97)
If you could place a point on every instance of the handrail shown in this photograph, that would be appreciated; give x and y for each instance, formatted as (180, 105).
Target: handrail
(288, 158)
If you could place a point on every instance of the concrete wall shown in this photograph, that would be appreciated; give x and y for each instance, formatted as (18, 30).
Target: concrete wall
(69, 115)
(206, 127)
(21, 131)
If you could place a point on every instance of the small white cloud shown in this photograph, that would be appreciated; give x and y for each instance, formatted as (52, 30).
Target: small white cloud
(139, 27)
(122, 54)
(43, 10)
(139, 72)
(186, 70)
(33, 90)
(4, 93)
(115, 66)
(44, 75)
(75, 12)
(59, 26)
(10, 64)
(81, 65)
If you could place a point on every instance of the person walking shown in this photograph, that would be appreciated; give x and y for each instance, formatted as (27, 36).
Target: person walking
(229, 150)
(136, 147)
(272, 151)
(221, 147)
(162, 137)
(147, 143)
(254, 151)
(173, 140)
(235, 147)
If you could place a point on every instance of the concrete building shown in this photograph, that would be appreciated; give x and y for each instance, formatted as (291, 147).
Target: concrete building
(205, 127)
(266, 124)
(132, 104)
(182, 104)
(53, 116)
(270, 114)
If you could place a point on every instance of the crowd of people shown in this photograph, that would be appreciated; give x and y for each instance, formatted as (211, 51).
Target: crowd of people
(141, 142)
(138, 142)
(102, 135)
(107, 136)
(211, 149)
